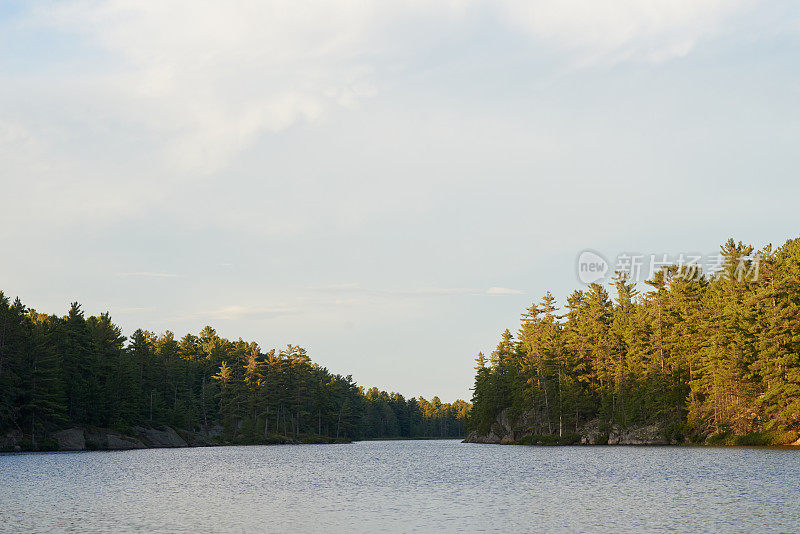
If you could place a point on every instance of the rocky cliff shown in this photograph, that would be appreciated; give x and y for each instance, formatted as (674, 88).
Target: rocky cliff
(91, 438)
(525, 430)
(139, 437)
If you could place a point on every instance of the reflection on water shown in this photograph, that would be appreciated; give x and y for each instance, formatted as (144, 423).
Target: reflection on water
(428, 486)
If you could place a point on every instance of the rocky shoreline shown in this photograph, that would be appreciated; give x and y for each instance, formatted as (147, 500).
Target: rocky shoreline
(138, 437)
(503, 432)
(522, 432)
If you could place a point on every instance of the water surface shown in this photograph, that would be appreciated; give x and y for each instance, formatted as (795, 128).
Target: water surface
(407, 486)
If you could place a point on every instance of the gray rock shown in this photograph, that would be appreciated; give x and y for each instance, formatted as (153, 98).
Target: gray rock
(213, 431)
(528, 419)
(11, 438)
(508, 439)
(643, 435)
(530, 422)
(194, 439)
(590, 432)
(502, 420)
(160, 438)
(105, 439)
(474, 437)
(71, 439)
(118, 442)
(492, 438)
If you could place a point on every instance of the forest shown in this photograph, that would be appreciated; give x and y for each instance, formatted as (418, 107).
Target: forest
(709, 357)
(76, 371)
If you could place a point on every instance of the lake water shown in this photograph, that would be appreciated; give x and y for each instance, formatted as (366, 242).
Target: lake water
(403, 486)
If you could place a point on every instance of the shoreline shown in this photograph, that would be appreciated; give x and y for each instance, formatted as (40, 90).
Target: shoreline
(524, 430)
(81, 439)
(89, 439)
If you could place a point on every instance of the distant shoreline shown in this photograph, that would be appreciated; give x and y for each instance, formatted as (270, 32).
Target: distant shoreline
(84, 439)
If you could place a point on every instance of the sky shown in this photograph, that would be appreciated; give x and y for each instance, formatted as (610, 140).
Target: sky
(386, 183)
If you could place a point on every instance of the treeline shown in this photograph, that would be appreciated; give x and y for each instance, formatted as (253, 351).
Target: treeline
(58, 372)
(391, 415)
(702, 354)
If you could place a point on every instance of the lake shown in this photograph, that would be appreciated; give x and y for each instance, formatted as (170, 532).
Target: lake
(407, 486)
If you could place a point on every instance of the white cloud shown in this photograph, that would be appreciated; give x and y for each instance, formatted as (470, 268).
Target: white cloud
(437, 291)
(133, 309)
(494, 290)
(205, 79)
(236, 311)
(210, 77)
(145, 274)
(337, 288)
(354, 288)
(611, 31)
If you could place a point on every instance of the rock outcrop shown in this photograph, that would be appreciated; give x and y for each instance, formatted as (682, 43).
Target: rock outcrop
(71, 439)
(474, 437)
(193, 439)
(641, 435)
(159, 438)
(10, 440)
(104, 439)
(140, 437)
(527, 429)
(118, 442)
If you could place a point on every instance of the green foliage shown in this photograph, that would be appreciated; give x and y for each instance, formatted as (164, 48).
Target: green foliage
(570, 438)
(765, 438)
(57, 372)
(713, 355)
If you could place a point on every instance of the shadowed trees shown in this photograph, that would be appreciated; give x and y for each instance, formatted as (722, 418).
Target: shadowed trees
(57, 372)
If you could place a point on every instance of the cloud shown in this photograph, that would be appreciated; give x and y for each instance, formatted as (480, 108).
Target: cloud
(210, 77)
(337, 288)
(494, 290)
(133, 309)
(612, 31)
(235, 312)
(145, 274)
(423, 292)
(354, 288)
(437, 291)
(204, 80)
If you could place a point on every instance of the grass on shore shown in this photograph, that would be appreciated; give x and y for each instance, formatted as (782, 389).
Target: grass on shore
(754, 439)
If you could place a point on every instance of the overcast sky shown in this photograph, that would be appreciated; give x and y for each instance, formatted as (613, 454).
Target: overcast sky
(386, 183)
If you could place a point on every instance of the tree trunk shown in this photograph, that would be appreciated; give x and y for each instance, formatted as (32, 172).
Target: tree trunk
(33, 411)
(203, 402)
(339, 421)
(547, 410)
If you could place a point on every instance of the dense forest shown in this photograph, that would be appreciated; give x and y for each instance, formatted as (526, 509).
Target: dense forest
(707, 356)
(60, 372)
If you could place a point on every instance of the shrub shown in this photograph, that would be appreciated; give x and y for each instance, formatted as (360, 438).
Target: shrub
(768, 437)
(720, 438)
(550, 439)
